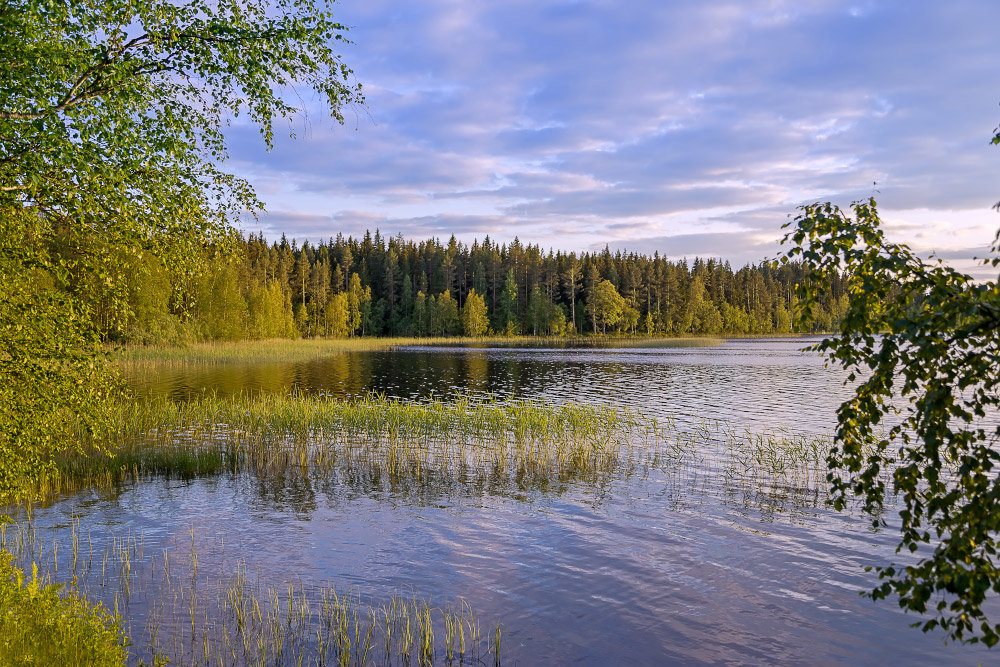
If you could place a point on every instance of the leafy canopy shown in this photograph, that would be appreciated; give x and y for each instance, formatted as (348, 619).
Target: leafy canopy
(112, 119)
(112, 113)
(921, 340)
(52, 381)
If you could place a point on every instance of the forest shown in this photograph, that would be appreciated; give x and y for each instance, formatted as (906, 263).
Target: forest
(247, 288)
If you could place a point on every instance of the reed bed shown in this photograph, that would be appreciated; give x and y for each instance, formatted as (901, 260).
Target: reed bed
(768, 471)
(383, 441)
(280, 349)
(286, 350)
(175, 613)
(380, 444)
(186, 607)
(376, 444)
(778, 454)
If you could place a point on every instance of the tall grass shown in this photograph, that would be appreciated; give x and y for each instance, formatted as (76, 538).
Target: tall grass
(285, 350)
(276, 350)
(378, 443)
(180, 616)
(384, 442)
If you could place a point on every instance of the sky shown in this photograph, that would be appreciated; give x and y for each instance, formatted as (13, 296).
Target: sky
(691, 128)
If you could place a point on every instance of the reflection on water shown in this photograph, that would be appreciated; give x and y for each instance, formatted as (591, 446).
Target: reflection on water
(686, 558)
(763, 383)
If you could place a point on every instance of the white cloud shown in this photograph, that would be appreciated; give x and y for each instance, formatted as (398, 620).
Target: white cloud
(579, 123)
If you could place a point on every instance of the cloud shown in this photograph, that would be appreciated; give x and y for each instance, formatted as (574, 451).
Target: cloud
(705, 124)
(739, 247)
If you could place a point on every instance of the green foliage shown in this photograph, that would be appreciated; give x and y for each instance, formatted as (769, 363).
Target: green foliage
(605, 306)
(111, 137)
(151, 301)
(921, 340)
(220, 307)
(337, 315)
(112, 113)
(443, 315)
(38, 626)
(359, 301)
(701, 314)
(544, 317)
(52, 370)
(474, 320)
(270, 312)
(381, 280)
(782, 319)
(419, 322)
(648, 324)
(506, 311)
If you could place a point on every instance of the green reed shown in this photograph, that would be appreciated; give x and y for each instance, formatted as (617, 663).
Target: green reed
(374, 441)
(283, 350)
(778, 453)
(412, 447)
(235, 619)
(382, 440)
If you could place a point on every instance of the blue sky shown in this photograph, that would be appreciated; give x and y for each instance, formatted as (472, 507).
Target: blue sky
(691, 128)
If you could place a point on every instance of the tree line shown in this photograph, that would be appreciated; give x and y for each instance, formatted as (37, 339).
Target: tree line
(375, 286)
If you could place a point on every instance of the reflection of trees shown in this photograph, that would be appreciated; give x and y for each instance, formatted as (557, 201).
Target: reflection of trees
(286, 491)
(297, 489)
(184, 382)
(767, 501)
(477, 371)
(403, 374)
(439, 485)
(342, 374)
(434, 488)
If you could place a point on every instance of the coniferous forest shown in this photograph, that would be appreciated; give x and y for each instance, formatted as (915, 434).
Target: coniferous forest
(249, 288)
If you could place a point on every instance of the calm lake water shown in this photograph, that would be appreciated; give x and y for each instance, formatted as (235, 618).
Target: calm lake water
(680, 563)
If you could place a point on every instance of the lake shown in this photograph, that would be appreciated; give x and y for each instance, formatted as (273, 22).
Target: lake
(688, 559)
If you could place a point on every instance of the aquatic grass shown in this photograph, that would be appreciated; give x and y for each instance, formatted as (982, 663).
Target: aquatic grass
(377, 443)
(286, 350)
(779, 460)
(281, 349)
(383, 444)
(237, 619)
(778, 453)
(385, 441)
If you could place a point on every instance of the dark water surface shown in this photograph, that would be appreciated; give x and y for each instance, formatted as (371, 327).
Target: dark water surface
(682, 563)
(765, 383)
